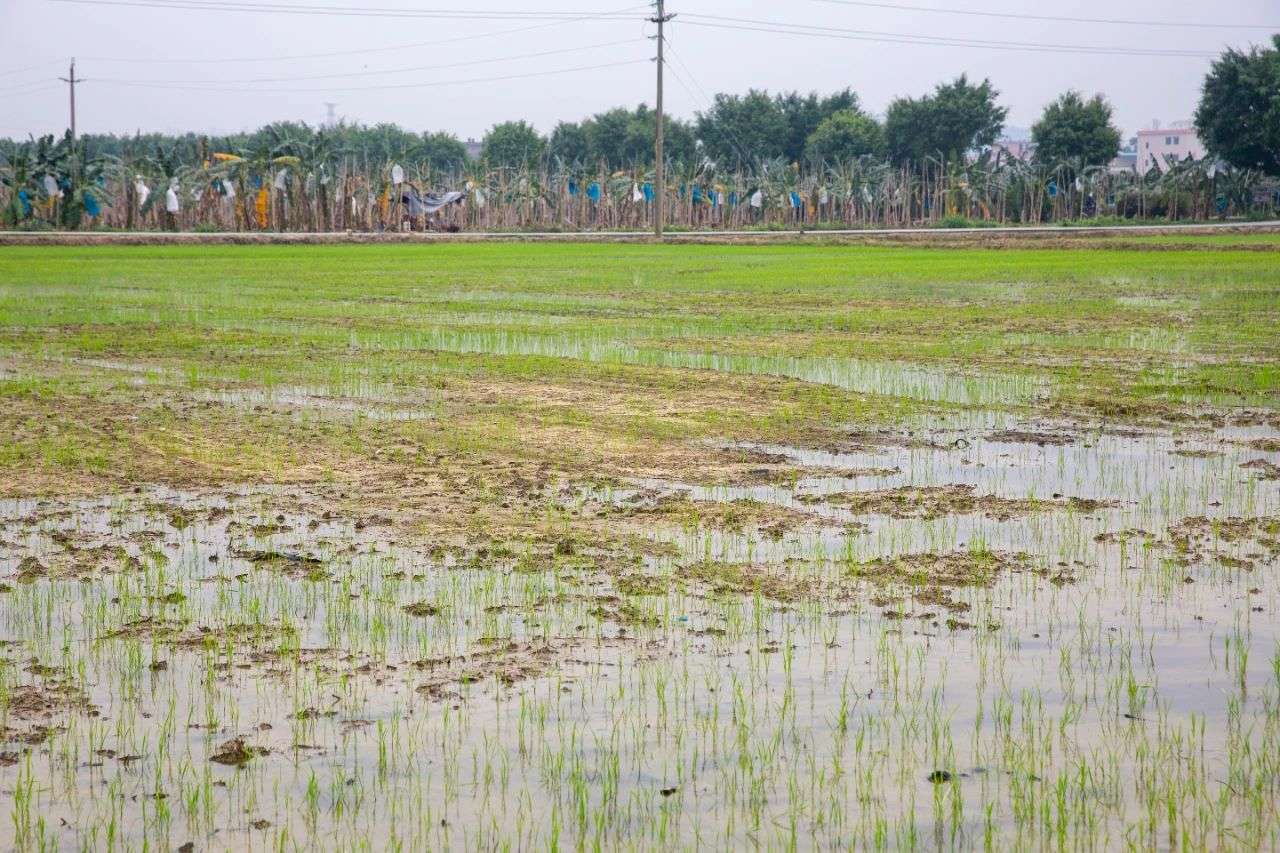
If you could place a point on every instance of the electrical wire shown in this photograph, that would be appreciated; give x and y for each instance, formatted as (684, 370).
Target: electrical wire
(45, 87)
(345, 11)
(26, 84)
(40, 67)
(784, 28)
(186, 88)
(346, 52)
(402, 70)
(743, 152)
(1023, 16)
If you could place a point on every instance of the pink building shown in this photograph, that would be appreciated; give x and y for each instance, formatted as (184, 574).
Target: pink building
(1019, 149)
(1157, 144)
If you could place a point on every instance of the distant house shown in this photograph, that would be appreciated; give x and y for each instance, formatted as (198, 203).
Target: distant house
(473, 148)
(1126, 159)
(1159, 143)
(1019, 149)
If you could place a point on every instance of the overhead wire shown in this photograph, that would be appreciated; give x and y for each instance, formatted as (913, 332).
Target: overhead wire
(786, 28)
(707, 100)
(37, 67)
(1028, 16)
(345, 11)
(350, 51)
(383, 87)
(374, 73)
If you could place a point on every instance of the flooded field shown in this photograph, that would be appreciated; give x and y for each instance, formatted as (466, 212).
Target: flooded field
(628, 547)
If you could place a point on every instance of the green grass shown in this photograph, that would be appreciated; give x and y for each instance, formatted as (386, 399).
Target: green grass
(846, 333)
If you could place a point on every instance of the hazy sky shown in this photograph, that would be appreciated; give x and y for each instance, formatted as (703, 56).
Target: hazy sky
(144, 69)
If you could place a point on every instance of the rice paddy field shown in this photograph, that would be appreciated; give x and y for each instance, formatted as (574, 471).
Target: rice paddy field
(524, 546)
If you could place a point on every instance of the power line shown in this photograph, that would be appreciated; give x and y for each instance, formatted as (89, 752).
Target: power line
(38, 87)
(784, 28)
(401, 70)
(40, 67)
(349, 51)
(1021, 16)
(734, 140)
(185, 88)
(346, 11)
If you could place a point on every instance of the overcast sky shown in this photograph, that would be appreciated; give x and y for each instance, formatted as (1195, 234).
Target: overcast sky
(143, 70)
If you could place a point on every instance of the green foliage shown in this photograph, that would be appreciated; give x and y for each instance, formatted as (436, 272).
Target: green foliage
(1239, 113)
(621, 139)
(512, 144)
(845, 135)
(805, 113)
(739, 130)
(956, 220)
(568, 143)
(958, 117)
(443, 151)
(1072, 129)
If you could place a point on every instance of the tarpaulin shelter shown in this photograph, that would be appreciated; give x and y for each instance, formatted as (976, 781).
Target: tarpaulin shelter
(420, 204)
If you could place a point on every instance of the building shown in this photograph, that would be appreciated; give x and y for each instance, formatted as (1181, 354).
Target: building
(1018, 149)
(1126, 159)
(1159, 144)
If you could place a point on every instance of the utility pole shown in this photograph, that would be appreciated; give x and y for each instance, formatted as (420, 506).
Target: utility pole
(72, 80)
(660, 165)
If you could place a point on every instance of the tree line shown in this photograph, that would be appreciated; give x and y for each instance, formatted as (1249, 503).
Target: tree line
(750, 141)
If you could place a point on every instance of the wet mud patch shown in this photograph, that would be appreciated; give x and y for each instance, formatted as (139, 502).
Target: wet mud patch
(1233, 542)
(934, 502)
(923, 584)
(31, 712)
(1040, 438)
(506, 662)
(656, 507)
(952, 569)
(1263, 469)
(1242, 543)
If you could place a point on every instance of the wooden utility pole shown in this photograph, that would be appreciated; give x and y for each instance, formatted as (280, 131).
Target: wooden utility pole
(71, 81)
(660, 165)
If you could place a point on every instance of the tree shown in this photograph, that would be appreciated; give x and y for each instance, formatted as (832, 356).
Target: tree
(569, 143)
(611, 138)
(845, 135)
(1073, 129)
(512, 144)
(805, 112)
(1239, 113)
(739, 130)
(443, 151)
(957, 118)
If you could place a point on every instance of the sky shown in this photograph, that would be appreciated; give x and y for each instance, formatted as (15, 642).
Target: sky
(220, 67)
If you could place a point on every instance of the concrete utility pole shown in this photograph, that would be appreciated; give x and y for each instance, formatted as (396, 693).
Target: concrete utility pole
(660, 165)
(72, 80)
